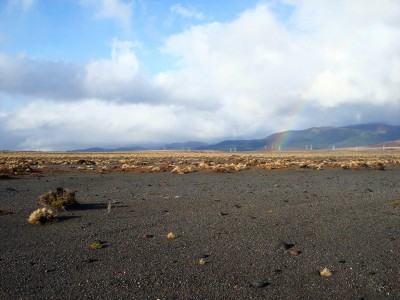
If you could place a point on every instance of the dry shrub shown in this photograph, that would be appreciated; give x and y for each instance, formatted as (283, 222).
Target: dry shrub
(325, 272)
(344, 166)
(177, 170)
(59, 198)
(41, 216)
(219, 169)
(5, 171)
(378, 166)
(95, 246)
(171, 236)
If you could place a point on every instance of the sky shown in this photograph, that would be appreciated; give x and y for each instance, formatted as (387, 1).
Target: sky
(109, 73)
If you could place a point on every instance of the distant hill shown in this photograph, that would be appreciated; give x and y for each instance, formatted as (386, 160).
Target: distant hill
(239, 145)
(318, 137)
(395, 143)
(97, 149)
(185, 146)
(174, 146)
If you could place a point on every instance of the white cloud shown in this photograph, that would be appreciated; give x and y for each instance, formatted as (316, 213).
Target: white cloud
(361, 52)
(53, 126)
(110, 77)
(117, 78)
(186, 12)
(268, 66)
(117, 10)
(29, 77)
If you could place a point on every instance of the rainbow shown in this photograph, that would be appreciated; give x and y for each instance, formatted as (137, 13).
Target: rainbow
(293, 115)
(357, 40)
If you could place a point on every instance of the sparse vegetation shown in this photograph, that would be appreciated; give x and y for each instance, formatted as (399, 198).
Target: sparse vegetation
(181, 162)
(59, 199)
(325, 272)
(171, 235)
(41, 216)
(395, 203)
(6, 170)
(95, 246)
(378, 166)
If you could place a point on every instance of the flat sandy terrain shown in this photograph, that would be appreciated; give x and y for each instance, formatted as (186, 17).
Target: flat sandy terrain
(343, 220)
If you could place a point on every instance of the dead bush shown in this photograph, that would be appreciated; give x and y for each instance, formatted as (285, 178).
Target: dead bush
(59, 198)
(41, 216)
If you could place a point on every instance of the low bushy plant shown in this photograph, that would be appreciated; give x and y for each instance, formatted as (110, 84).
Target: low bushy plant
(41, 216)
(95, 246)
(59, 198)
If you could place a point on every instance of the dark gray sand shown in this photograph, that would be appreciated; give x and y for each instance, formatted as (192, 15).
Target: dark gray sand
(262, 234)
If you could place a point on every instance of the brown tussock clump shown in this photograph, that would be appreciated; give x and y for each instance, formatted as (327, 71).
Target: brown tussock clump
(171, 236)
(378, 166)
(325, 272)
(95, 246)
(59, 199)
(41, 216)
(5, 170)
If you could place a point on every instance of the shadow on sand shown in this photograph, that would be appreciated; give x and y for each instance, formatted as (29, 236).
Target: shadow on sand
(89, 206)
(7, 177)
(66, 218)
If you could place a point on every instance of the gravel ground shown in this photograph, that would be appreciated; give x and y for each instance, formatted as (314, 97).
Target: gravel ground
(261, 234)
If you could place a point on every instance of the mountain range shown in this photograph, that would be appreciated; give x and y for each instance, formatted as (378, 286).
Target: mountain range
(315, 138)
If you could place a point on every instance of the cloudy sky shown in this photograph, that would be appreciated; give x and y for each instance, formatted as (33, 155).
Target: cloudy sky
(82, 73)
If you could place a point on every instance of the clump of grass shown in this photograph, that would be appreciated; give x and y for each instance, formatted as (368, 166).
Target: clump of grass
(171, 236)
(95, 246)
(6, 170)
(59, 198)
(394, 203)
(325, 272)
(378, 166)
(41, 216)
